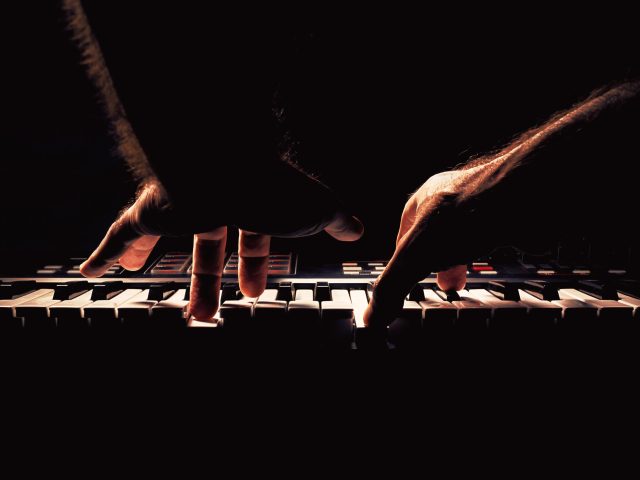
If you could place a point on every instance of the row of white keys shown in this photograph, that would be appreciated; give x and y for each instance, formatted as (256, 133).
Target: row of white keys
(608, 310)
(172, 312)
(541, 312)
(104, 313)
(338, 317)
(7, 307)
(69, 313)
(303, 310)
(504, 313)
(437, 312)
(575, 311)
(632, 302)
(466, 312)
(359, 302)
(35, 312)
(471, 311)
(137, 310)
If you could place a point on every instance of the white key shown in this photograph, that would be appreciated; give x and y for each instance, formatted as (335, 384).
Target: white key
(107, 310)
(237, 313)
(193, 323)
(137, 308)
(502, 311)
(405, 329)
(437, 309)
(39, 305)
(304, 294)
(574, 310)
(171, 311)
(632, 302)
(337, 318)
(303, 313)
(359, 301)
(540, 310)
(607, 309)
(267, 307)
(140, 301)
(471, 312)
(68, 311)
(7, 306)
(339, 295)
(176, 300)
(75, 303)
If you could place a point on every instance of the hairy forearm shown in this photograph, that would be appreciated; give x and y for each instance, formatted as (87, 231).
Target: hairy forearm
(487, 171)
(127, 143)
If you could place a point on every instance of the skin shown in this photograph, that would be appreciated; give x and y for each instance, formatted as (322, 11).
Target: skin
(129, 241)
(432, 230)
(437, 218)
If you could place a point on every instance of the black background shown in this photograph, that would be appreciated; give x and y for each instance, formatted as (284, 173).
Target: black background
(378, 108)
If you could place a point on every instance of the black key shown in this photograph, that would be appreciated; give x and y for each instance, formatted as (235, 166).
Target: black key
(161, 291)
(542, 290)
(322, 292)
(10, 291)
(106, 291)
(229, 292)
(452, 296)
(505, 290)
(285, 292)
(416, 294)
(601, 291)
(70, 290)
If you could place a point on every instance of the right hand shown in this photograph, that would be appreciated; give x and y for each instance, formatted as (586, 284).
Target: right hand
(434, 237)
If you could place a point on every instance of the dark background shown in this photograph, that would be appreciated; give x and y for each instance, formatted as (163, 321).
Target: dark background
(378, 107)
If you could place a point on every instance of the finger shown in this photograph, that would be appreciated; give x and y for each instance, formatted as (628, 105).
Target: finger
(345, 228)
(408, 219)
(402, 272)
(253, 250)
(120, 236)
(454, 278)
(206, 276)
(137, 254)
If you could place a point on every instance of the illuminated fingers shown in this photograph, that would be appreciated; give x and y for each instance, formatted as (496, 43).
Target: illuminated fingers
(206, 276)
(119, 238)
(253, 250)
(137, 254)
(454, 278)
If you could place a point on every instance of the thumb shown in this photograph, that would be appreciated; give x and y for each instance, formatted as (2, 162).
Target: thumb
(345, 227)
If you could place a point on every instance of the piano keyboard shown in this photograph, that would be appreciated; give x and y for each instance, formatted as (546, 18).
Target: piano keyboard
(318, 312)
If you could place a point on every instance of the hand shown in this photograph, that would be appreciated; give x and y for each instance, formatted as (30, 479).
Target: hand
(287, 203)
(440, 230)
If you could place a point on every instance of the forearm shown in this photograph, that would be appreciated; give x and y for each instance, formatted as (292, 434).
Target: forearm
(189, 99)
(127, 143)
(487, 171)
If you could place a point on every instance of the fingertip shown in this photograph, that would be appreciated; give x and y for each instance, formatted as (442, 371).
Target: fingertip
(252, 291)
(131, 266)
(454, 278)
(202, 311)
(345, 228)
(252, 275)
(87, 269)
